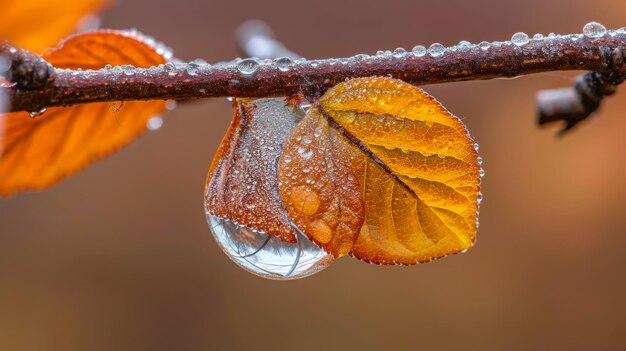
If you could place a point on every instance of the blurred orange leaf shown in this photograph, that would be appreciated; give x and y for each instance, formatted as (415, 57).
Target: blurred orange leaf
(37, 153)
(38, 24)
(380, 170)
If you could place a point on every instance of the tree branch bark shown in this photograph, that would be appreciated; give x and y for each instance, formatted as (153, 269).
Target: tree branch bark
(282, 77)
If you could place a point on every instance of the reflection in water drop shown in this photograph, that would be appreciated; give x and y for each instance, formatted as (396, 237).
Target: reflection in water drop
(268, 256)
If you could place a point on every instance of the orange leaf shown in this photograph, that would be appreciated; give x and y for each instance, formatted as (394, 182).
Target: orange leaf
(318, 185)
(37, 153)
(243, 181)
(413, 163)
(38, 24)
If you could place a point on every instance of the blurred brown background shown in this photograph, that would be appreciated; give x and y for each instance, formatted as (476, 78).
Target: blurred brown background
(120, 257)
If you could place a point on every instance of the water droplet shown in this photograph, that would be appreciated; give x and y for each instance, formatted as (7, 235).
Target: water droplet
(594, 30)
(479, 198)
(306, 153)
(436, 50)
(479, 160)
(551, 35)
(154, 123)
(249, 202)
(283, 63)
(464, 44)
(108, 66)
(380, 53)
(419, 50)
(268, 256)
(248, 67)
(399, 52)
(476, 146)
(484, 45)
(520, 39)
(538, 36)
(128, 70)
(169, 67)
(621, 30)
(39, 112)
(481, 172)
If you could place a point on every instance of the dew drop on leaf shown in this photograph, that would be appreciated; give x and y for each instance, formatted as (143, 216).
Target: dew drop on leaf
(594, 30)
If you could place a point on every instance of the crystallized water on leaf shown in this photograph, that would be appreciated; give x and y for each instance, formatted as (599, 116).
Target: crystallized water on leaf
(268, 256)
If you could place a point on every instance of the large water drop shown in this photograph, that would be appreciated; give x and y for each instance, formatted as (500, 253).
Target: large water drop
(594, 30)
(268, 256)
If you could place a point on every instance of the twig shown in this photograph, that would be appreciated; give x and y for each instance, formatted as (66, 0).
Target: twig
(27, 70)
(574, 105)
(282, 77)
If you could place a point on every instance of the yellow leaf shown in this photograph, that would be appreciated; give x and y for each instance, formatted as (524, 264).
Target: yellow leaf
(413, 163)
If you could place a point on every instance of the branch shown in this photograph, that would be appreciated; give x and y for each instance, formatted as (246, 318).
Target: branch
(27, 70)
(282, 77)
(574, 105)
